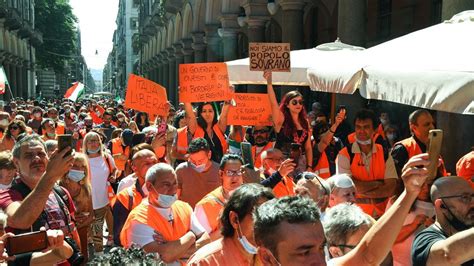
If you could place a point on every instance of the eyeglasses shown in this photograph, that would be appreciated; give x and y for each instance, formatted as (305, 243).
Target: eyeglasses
(295, 102)
(233, 172)
(346, 246)
(14, 128)
(93, 141)
(277, 160)
(465, 198)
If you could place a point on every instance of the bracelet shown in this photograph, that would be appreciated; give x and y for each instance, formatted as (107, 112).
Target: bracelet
(333, 132)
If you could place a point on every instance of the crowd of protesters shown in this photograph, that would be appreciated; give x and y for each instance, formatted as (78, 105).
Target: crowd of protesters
(311, 192)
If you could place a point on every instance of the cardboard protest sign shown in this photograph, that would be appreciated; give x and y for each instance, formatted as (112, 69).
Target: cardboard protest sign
(269, 56)
(252, 109)
(146, 96)
(204, 82)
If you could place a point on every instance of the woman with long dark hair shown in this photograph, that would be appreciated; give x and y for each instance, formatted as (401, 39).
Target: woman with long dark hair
(14, 129)
(141, 118)
(291, 125)
(206, 124)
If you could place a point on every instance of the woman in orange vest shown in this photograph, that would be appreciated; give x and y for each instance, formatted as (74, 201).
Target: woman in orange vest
(14, 129)
(291, 125)
(205, 124)
(238, 246)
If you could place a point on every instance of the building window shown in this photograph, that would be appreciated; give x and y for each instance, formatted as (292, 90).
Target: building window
(134, 23)
(384, 20)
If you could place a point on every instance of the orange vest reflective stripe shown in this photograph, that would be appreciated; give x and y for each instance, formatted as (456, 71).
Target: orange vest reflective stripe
(146, 214)
(257, 160)
(182, 140)
(322, 168)
(414, 149)
(60, 128)
(117, 148)
(199, 133)
(1, 135)
(381, 131)
(124, 197)
(284, 188)
(376, 172)
(213, 204)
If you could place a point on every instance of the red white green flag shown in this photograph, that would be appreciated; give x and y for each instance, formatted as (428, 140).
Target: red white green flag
(3, 80)
(75, 91)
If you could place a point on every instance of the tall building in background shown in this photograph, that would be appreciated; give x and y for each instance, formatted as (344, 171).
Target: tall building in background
(18, 38)
(123, 59)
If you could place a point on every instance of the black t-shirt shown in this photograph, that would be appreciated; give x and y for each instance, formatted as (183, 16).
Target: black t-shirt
(420, 250)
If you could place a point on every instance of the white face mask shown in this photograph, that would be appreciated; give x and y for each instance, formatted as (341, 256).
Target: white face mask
(199, 168)
(383, 121)
(391, 137)
(364, 142)
(248, 247)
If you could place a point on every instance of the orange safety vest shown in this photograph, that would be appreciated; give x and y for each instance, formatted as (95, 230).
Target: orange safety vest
(414, 149)
(199, 133)
(117, 148)
(213, 204)
(284, 188)
(322, 168)
(60, 129)
(257, 160)
(146, 214)
(381, 131)
(376, 172)
(129, 197)
(465, 167)
(182, 140)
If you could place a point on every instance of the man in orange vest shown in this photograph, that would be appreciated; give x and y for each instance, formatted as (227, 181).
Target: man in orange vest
(163, 224)
(208, 209)
(48, 130)
(261, 139)
(372, 170)
(276, 173)
(131, 190)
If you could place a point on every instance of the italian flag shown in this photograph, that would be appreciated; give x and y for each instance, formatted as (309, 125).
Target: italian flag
(75, 91)
(3, 80)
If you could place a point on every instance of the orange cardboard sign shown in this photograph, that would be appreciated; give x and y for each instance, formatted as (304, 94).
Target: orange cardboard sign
(146, 96)
(252, 109)
(269, 56)
(203, 82)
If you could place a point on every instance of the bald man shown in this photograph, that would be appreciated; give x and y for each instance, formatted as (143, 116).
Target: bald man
(449, 241)
(132, 190)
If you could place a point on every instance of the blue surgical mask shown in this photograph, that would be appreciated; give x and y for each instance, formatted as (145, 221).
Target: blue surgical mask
(76, 175)
(166, 201)
(89, 151)
(249, 248)
(199, 168)
(364, 142)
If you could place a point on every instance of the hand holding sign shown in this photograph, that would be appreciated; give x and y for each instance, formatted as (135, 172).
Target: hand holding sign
(204, 82)
(146, 96)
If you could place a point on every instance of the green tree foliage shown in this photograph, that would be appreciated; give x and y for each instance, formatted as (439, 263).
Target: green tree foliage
(55, 20)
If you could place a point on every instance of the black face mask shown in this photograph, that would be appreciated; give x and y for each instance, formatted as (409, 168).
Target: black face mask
(454, 221)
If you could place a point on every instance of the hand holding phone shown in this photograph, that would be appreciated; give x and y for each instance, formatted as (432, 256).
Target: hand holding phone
(434, 149)
(25, 243)
(65, 141)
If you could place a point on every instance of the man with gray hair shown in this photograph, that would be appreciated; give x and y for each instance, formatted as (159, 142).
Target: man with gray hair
(161, 223)
(34, 200)
(344, 226)
(342, 189)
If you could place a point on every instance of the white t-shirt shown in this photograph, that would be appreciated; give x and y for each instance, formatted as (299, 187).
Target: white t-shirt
(202, 218)
(99, 174)
(129, 181)
(142, 234)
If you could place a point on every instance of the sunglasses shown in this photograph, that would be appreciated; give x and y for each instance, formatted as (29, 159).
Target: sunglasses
(295, 102)
(311, 176)
(14, 128)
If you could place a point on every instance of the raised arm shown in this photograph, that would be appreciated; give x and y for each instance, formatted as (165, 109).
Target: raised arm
(277, 115)
(378, 241)
(222, 122)
(23, 215)
(454, 250)
(326, 138)
(191, 117)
